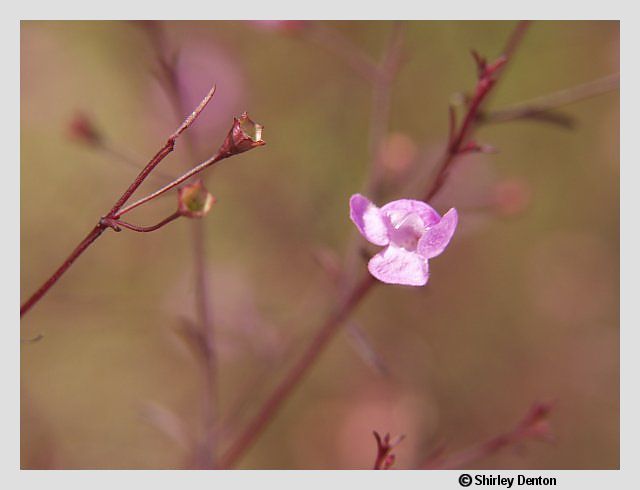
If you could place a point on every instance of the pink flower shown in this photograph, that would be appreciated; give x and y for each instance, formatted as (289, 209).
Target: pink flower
(412, 232)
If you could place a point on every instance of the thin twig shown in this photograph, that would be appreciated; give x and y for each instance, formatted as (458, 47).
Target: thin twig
(386, 72)
(533, 425)
(539, 105)
(341, 47)
(168, 148)
(384, 457)
(143, 229)
(172, 185)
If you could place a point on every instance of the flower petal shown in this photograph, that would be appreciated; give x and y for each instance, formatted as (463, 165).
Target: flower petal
(395, 265)
(402, 207)
(369, 220)
(437, 237)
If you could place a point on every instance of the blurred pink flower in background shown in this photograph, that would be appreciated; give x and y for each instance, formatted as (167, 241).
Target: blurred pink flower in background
(511, 196)
(412, 232)
(345, 426)
(398, 153)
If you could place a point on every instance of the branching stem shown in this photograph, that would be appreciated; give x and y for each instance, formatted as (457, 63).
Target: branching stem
(172, 185)
(115, 223)
(98, 229)
(535, 107)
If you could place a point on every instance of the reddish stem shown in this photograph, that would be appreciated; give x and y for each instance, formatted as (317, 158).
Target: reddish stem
(171, 185)
(459, 136)
(296, 374)
(144, 229)
(84, 244)
(164, 151)
(384, 457)
(533, 425)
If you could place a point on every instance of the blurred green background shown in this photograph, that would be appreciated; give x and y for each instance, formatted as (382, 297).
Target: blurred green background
(523, 306)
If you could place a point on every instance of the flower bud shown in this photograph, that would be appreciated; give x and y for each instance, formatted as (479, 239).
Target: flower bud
(194, 200)
(82, 129)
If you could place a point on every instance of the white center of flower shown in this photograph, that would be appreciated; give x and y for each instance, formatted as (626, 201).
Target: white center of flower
(407, 228)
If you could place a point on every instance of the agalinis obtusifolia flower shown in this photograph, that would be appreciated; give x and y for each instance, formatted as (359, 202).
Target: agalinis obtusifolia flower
(412, 232)
(244, 135)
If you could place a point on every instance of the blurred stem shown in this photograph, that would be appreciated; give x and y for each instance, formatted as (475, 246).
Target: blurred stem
(210, 367)
(207, 453)
(297, 373)
(515, 39)
(340, 46)
(535, 107)
(533, 425)
(112, 214)
(382, 82)
(382, 86)
(326, 332)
